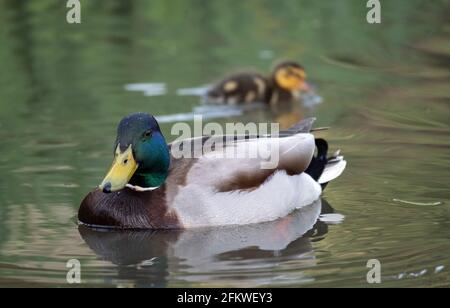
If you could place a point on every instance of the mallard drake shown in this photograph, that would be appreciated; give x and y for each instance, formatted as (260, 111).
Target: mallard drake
(287, 81)
(147, 187)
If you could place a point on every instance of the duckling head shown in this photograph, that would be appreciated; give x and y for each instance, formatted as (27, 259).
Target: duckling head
(141, 154)
(290, 76)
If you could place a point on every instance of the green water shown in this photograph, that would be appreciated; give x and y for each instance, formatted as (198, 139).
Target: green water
(386, 95)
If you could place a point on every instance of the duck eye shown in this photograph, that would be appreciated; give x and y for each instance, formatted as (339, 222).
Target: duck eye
(148, 134)
(288, 73)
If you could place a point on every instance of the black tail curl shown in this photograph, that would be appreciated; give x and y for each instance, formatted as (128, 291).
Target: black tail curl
(318, 162)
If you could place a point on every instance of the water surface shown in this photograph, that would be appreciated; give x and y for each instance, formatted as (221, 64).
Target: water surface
(385, 94)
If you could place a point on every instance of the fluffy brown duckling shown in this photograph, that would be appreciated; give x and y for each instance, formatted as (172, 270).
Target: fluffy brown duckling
(287, 81)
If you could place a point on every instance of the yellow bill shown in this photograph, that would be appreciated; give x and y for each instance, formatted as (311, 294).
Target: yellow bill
(122, 169)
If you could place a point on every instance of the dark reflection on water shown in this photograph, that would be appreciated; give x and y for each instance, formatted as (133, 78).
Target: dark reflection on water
(384, 92)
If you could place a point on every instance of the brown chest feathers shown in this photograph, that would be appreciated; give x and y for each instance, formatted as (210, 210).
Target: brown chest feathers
(128, 209)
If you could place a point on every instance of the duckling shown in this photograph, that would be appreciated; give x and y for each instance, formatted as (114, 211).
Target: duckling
(148, 187)
(287, 81)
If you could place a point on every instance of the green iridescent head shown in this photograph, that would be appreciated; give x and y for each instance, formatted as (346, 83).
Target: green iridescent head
(141, 154)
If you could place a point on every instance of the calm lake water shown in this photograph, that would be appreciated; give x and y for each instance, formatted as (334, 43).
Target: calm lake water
(385, 94)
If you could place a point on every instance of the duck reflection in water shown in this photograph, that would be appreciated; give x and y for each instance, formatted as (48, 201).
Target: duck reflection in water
(148, 258)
